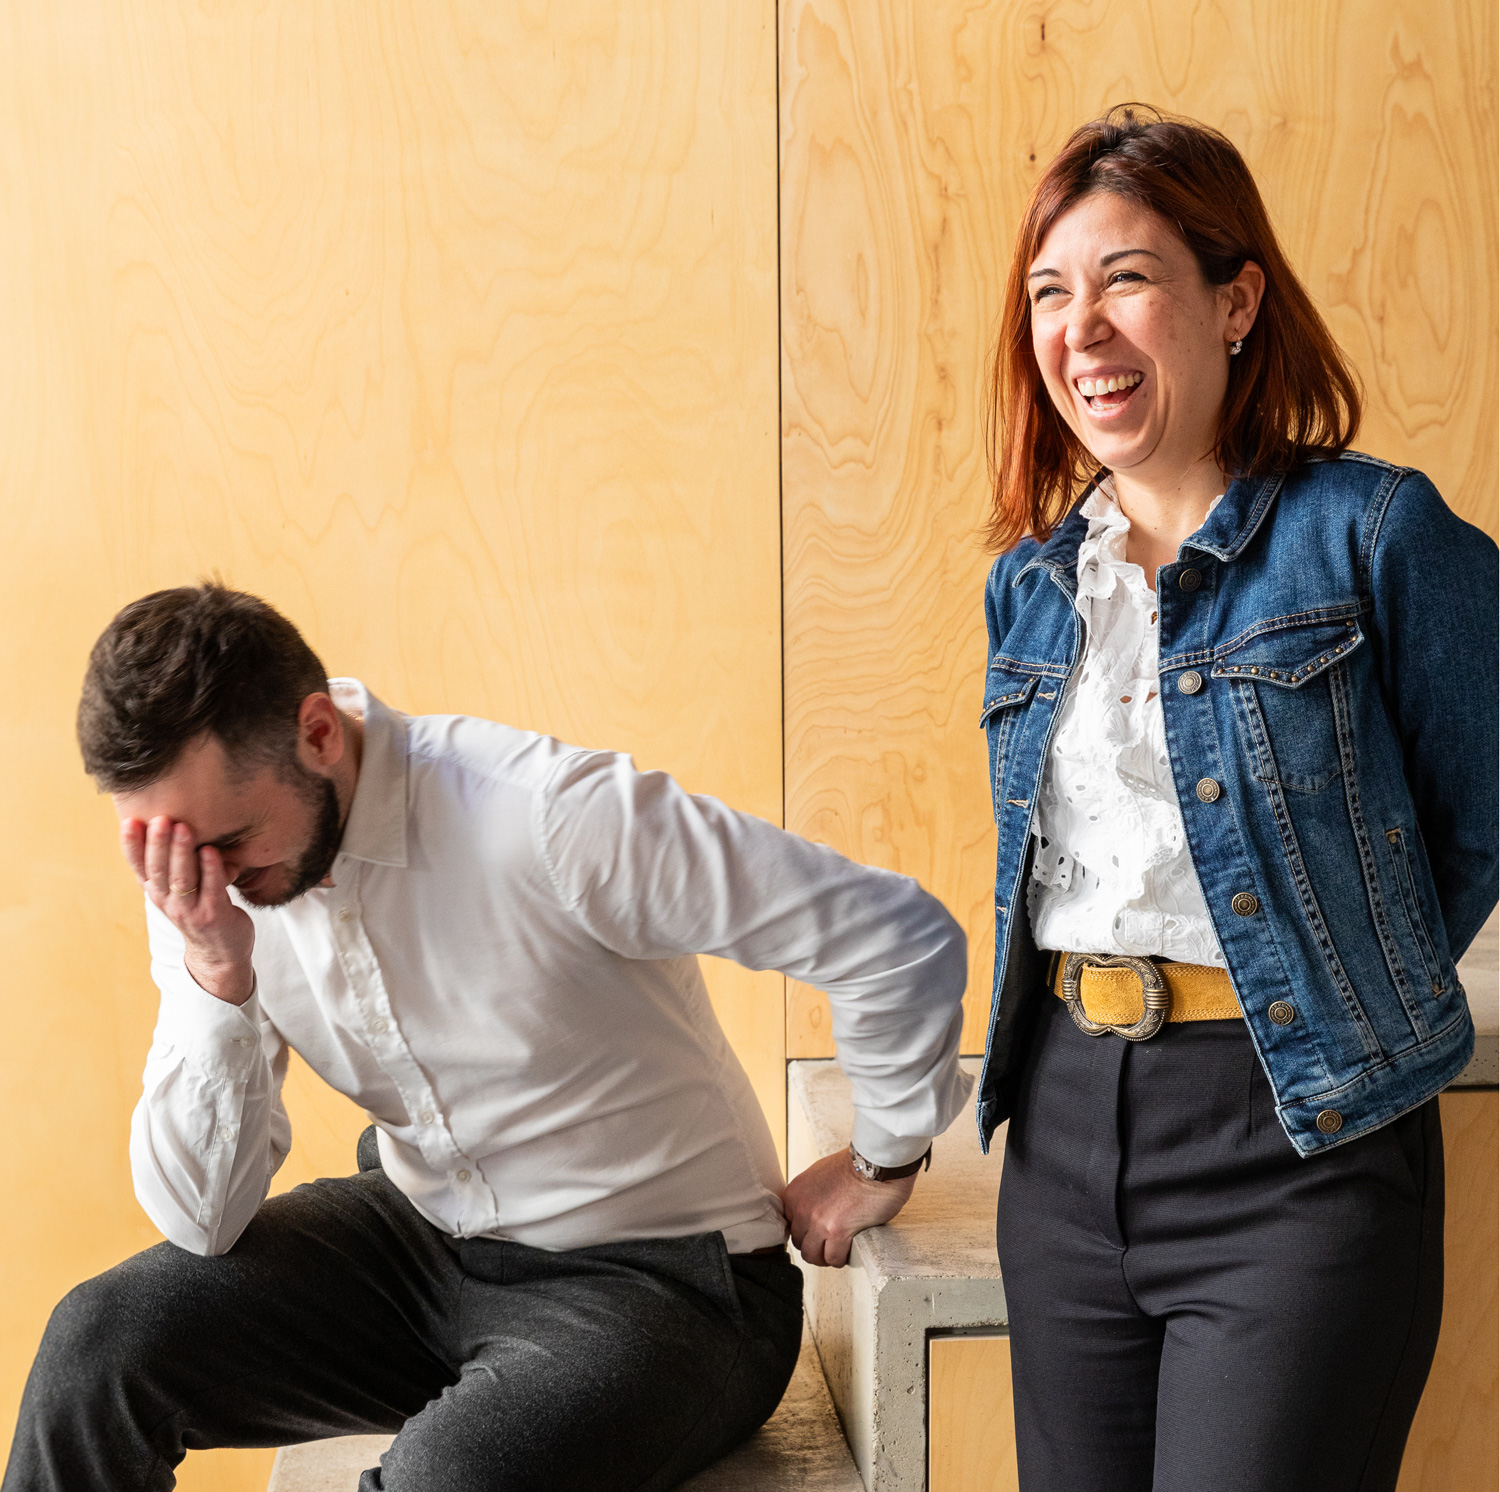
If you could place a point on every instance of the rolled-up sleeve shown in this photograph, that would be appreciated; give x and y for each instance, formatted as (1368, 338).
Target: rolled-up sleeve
(209, 1131)
(655, 872)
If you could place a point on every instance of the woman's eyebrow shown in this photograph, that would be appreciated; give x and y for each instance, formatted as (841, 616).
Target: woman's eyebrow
(1038, 274)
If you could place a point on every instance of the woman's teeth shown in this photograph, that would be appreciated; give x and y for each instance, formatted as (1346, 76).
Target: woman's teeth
(1092, 388)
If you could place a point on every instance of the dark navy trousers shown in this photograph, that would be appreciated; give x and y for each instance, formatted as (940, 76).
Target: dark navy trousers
(340, 1310)
(1193, 1306)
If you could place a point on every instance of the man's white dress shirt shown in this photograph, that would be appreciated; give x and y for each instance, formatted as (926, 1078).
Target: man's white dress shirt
(503, 976)
(1112, 872)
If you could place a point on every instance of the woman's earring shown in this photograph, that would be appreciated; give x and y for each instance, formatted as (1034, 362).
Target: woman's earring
(1236, 347)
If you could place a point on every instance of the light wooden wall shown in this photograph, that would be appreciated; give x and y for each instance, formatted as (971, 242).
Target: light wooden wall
(450, 328)
(911, 134)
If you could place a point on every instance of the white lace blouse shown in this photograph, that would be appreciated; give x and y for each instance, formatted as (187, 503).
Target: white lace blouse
(1111, 872)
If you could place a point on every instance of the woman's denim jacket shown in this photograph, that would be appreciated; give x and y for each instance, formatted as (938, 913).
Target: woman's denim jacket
(1328, 658)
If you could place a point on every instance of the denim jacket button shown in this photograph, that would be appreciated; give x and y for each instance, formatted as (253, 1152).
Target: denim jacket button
(1282, 1012)
(1190, 580)
(1208, 790)
(1190, 682)
(1330, 1121)
(1244, 904)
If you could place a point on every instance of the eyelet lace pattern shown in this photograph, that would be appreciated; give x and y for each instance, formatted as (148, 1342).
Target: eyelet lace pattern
(1111, 872)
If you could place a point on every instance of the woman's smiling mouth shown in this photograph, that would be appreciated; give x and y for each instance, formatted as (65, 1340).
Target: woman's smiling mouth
(1107, 393)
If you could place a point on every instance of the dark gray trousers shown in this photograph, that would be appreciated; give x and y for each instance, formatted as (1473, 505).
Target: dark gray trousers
(1193, 1306)
(340, 1310)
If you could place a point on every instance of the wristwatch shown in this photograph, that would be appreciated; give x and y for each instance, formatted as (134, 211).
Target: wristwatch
(871, 1172)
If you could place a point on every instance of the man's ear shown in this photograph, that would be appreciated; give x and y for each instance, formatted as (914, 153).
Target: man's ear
(321, 741)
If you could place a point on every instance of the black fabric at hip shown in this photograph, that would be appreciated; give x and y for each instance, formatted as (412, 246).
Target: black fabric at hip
(1192, 1304)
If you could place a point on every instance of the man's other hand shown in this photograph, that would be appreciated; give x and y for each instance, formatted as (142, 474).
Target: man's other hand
(188, 886)
(828, 1204)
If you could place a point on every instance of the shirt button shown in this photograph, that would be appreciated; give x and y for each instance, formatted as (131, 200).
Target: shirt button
(345, 914)
(1190, 682)
(1244, 904)
(1330, 1121)
(1282, 1012)
(1190, 580)
(463, 1175)
(225, 1133)
(1208, 790)
(380, 1027)
(425, 1116)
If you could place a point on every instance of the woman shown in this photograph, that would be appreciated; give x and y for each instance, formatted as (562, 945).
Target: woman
(1241, 707)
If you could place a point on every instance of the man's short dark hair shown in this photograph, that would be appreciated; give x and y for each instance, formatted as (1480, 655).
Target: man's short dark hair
(183, 663)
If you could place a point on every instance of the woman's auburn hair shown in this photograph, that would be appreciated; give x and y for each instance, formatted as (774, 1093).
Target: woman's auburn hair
(1292, 392)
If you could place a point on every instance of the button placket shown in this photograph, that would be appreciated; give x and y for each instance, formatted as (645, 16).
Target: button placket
(389, 1048)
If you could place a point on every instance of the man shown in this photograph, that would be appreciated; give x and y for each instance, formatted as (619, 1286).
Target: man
(562, 1263)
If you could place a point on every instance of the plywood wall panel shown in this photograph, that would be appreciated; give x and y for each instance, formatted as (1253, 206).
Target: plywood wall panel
(910, 136)
(971, 1421)
(451, 329)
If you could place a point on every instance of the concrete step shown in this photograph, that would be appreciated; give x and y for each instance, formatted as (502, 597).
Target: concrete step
(932, 1270)
(799, 1449)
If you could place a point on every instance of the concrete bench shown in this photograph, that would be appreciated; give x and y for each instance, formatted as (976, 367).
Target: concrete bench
(799, 1449)
(932, 1271)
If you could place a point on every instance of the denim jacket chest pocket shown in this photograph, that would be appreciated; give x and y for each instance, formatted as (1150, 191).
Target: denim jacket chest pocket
(1292, 696)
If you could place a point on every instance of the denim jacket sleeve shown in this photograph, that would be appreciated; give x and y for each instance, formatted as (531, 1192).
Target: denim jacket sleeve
(1433, 581)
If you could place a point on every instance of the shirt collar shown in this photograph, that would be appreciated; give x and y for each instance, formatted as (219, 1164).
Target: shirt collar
(1101, 506)
(376, 827)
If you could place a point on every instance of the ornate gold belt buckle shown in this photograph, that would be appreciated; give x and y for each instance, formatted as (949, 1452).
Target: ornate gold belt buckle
(1153, 991)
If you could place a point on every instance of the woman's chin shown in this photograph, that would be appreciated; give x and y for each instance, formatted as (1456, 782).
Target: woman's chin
(1115, 452)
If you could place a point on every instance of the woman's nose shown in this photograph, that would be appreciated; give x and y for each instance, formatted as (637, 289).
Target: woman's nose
(1087, 324)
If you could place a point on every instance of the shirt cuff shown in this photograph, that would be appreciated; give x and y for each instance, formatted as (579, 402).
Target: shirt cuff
(880, 1147)
(216, 1037)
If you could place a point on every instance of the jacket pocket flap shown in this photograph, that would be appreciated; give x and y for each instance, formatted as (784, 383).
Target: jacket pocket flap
(1290, 656)
(1003, 691)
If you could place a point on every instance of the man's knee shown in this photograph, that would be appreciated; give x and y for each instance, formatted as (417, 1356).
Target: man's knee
(121, 1319)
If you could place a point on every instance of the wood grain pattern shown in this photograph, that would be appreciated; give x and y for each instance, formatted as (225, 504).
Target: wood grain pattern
(1455, 1439)
(451, 329)
(910, 136)
(971, 1424)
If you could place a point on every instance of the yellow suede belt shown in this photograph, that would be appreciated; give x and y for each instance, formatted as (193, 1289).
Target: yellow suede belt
(1115, 996)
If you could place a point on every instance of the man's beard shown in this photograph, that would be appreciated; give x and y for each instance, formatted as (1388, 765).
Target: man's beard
(322, 850)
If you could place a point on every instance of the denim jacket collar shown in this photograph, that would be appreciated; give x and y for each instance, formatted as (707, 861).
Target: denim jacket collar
(1232, 524)
(1060, 553)
(1224, 534)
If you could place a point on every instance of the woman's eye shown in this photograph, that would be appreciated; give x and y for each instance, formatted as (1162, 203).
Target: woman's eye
(1123, 276)
(1046, 293)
